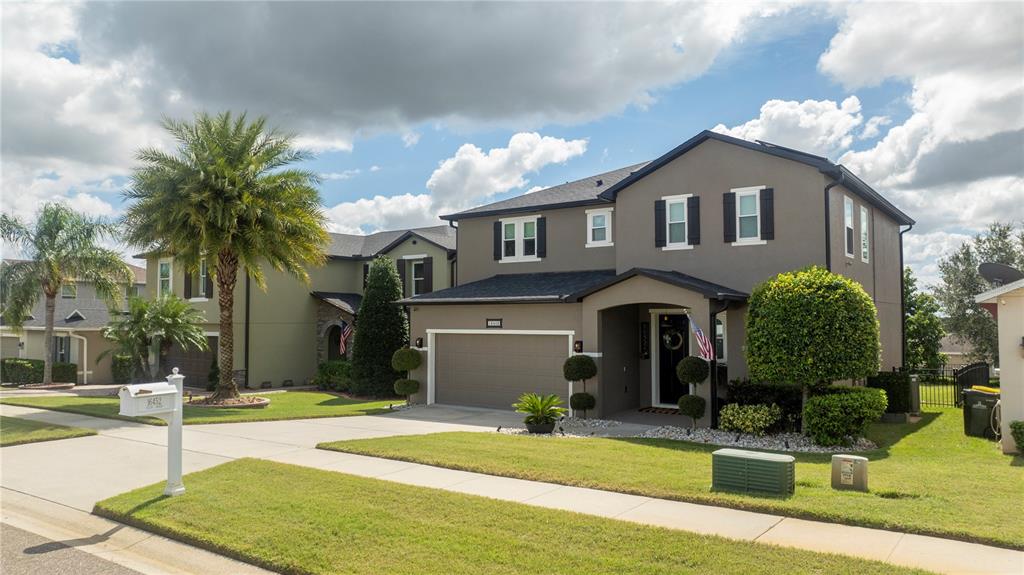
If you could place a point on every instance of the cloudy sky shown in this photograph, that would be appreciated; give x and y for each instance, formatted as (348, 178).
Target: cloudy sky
(419, 109)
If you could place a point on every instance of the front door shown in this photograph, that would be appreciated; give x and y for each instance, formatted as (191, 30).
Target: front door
(673, 346)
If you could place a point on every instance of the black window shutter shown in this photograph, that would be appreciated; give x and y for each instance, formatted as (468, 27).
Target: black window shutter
(401, 274)
(693, 220)
(208, 288)
(542, 237)
(497, 240)
(188, 285)
(366, 274)
(659, 223)
(768, 214)
(729, 216)
(428, 275)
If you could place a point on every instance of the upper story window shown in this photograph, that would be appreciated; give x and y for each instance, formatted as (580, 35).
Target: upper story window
(69, 291)
(676, 223)
(748, 217)
(519, 239)
(418, 278)
(599, 227)
(848, 220)
(865, 248)
(163, 278)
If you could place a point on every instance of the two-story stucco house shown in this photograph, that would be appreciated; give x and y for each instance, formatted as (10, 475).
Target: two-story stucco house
(281, 334)
(617, 265)
(78, 321)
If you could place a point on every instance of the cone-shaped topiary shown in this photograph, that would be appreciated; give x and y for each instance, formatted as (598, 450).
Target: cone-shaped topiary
(406, 359)
(382, 329)
(582, 402)
(692, 406)
(692, 369)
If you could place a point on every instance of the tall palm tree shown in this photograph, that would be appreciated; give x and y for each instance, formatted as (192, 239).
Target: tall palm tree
(60, 247)
(166, 321)
(228, 194)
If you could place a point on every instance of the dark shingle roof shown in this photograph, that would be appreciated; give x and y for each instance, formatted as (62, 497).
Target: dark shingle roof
(522, 288)
(580, 192)
(678, 279)
(368, 246)
(346, 302)
(92, 314)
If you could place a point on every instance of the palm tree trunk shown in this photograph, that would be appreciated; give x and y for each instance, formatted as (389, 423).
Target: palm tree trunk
(227, 273)
(51, 304)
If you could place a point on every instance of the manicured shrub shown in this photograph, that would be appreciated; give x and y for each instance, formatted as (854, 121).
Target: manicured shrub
(750, 419)
(383, 328)
(842, 413)
(65, 372)
(811, 327)
(786, 396)
(334, 375)
(897, 389)
(406, 388)
(122, 369)
(582, 402)
(1017, 431)
(406, 359)
(579, 368)
(692, 370)
(19, 371)
(692, 406)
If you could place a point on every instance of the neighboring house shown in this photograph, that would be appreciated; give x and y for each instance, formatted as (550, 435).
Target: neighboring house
(1006, 304)
(284, 332)
(620, 263)
(77, 323)
(955, 352)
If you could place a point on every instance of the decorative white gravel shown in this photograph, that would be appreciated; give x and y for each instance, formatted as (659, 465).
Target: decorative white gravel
(778, 442)
(567, 427)
(405, 407)
(580, 423)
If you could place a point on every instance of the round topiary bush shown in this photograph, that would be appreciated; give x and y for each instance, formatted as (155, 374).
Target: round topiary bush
(842, 413)
(406, 387)
(582, 402)
(406, 359)
(579, 368)
(692, 406)
(692, 369)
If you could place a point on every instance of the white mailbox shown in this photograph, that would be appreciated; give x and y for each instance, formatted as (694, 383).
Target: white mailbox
(149, 399)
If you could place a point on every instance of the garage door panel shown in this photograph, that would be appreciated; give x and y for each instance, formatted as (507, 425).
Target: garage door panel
(493, 370)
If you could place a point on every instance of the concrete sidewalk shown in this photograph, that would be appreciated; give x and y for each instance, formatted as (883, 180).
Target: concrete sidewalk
(133, 456)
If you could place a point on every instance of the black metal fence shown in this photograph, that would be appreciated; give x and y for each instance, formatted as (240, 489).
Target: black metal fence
(944, 386)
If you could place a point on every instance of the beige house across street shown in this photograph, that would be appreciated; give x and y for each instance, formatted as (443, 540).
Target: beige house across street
(282, 333)
(621, 265)
(79, 319)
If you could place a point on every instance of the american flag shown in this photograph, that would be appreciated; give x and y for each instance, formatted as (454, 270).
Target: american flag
(707, 348)
(346, 332)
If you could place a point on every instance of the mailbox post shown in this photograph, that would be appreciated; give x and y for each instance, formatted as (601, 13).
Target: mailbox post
(163, 400)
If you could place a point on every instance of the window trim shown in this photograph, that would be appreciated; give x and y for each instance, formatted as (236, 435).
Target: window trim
(518, 238)
(170, 276)
(683, 199)
(412, 274)
(608, 239)
(865, 235)
(756, 192)
(849, 227)
(73, 287)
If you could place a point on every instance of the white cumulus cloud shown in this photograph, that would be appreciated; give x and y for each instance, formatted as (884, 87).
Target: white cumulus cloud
(821, 127)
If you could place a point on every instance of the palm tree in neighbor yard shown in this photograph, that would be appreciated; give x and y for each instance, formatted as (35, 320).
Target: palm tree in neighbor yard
(61, 247)
(228, 193)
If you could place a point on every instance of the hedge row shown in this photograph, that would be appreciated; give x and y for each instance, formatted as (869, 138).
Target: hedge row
(20, 371)
(897, 389)
(841, 413)
(787, 397)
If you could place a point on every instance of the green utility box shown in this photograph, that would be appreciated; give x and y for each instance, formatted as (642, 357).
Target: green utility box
(753, 472)
(978, 406)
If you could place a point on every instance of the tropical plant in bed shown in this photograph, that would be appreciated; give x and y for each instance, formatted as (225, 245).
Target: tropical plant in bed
(60, 248)
(542, 411)
(228, 194)
(161, 323)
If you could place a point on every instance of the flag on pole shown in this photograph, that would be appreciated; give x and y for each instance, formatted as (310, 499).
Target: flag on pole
(346, 332)
(707, 348)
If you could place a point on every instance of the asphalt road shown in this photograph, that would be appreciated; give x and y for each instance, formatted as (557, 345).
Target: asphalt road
(24, 553)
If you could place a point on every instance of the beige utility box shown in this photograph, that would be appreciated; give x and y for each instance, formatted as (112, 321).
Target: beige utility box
(148, 399)
(849, 472)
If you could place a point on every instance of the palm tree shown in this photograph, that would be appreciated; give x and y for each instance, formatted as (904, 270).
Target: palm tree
(227, 193)
(167, 321)
(61, 247)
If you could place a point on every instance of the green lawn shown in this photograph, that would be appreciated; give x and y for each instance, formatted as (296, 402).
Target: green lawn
(287, 405)
(295, 519)
(16, 431)
(926, 477)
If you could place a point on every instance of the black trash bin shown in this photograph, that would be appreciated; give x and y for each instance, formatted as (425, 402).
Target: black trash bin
(978, 407)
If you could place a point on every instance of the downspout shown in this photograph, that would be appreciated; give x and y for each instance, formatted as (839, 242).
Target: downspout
(828, 219)
(713, 313)
(903, 305)
(85, 356)
(246, 351)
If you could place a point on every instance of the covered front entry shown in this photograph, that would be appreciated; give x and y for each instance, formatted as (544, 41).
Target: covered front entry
(672, 344)
(491, 369)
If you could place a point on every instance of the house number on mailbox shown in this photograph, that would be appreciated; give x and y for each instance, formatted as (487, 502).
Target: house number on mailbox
(154, 403)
